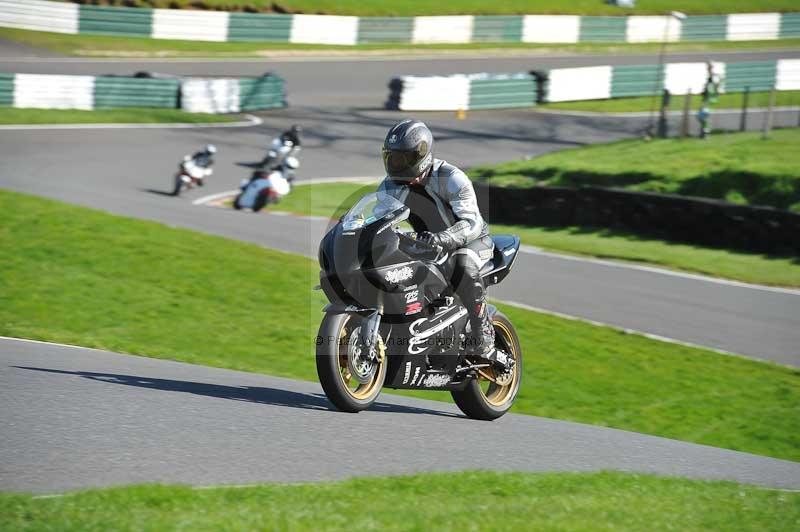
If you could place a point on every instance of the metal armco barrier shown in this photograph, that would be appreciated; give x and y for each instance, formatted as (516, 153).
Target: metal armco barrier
(44, 91)
(63, 17)
(678, 218)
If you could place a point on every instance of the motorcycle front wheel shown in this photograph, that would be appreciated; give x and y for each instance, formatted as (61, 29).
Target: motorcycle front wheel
(349, 382)
(489, 396)
(178, 185)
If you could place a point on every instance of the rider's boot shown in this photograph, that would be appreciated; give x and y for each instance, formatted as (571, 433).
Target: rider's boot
(480, 340)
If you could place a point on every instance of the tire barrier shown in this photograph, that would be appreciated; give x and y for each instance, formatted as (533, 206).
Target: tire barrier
(45, 91)
(677, 218)
(485, 91)
(232, 95)
(462, 92)
(62, 17)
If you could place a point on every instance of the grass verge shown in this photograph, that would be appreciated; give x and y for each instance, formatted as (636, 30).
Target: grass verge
(11, 115)
(514, 501)
(140, 287)
(333, 199)
(737, 167)
(645, 103)
(460, 7)
(111, 46)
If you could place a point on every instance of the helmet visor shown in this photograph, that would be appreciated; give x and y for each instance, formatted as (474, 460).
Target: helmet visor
(404, 164)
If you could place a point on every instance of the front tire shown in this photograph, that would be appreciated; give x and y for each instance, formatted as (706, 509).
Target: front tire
(335, 343)
(483, 398)
(260, 202)
(178, 185)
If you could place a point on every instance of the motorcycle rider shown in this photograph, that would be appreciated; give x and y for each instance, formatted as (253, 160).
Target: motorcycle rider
(203, 159)
(284, 146)
(445, 213)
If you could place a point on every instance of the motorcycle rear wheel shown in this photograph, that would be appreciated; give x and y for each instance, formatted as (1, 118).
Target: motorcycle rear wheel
(334, 344)
(483, 398)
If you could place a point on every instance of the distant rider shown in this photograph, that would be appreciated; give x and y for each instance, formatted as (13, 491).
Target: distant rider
(199, 164)
(445, 213)
(286, 145)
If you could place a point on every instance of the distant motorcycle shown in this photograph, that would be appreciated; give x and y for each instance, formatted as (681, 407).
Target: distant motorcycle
(266, 187)
(193, 170)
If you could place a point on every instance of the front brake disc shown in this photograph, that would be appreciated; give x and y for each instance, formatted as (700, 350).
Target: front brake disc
(360, 364)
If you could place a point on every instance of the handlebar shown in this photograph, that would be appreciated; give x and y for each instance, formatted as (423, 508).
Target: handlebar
(439, 251)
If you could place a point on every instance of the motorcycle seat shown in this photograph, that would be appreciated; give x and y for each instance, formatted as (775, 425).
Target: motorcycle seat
(506, 248)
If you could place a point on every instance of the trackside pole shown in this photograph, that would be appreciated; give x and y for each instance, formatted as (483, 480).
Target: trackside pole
(663, 127)
(745, 102)
(687, 104)
(768, 119)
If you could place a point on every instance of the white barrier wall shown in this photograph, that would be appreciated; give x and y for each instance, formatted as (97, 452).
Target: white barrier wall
(682, 77)
(551, 28)
(443, 29)
(653, 29)
(210, 96)
(324, 29)
(754, 27)
(39, 16)
(586, 83)
(54, 92)
(788, 75)
(443, 93)
(190, 25)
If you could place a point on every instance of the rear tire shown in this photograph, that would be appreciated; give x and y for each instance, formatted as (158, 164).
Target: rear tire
(335, 336)
(483, 399)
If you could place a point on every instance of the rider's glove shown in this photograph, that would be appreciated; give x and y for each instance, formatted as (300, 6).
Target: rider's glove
(444, 240)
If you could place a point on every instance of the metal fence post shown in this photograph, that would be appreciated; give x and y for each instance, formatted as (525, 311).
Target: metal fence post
(687, 104)
(663, 128)
(745, 102)
(768, 119)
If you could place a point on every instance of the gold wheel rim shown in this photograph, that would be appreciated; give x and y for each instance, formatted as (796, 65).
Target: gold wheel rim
(495, 394)
(354, 388)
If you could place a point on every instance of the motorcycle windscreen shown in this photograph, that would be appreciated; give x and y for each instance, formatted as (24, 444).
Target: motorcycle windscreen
(277, 183)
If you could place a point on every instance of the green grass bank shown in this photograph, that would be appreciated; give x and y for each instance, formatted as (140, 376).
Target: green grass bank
(11, 116)
(645, 103)
(85, 277)
(736, 167)
(453, 501)
(334, 199)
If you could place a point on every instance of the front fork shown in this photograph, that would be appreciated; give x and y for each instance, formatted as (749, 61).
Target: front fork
(369, 334)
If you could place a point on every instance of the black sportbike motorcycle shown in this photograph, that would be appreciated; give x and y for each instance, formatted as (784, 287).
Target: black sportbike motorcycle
(393, 321)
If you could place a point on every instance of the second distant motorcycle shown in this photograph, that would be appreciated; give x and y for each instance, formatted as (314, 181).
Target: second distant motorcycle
(266, 187)
(193, 170)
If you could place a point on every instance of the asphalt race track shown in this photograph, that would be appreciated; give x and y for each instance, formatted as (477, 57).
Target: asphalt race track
(74, 417)
(77, 417)
(127, 171)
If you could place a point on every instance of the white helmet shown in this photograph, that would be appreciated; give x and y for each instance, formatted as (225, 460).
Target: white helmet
(292, 163)
(210, 148)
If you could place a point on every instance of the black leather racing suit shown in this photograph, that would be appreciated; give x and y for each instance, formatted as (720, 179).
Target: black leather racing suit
(447, 202)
